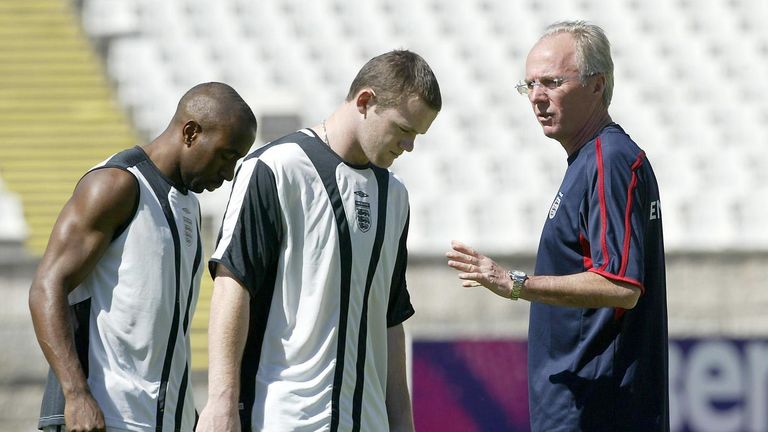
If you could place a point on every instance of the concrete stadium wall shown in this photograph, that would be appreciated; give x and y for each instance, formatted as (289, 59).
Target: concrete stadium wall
(708, 294)
(22, 366)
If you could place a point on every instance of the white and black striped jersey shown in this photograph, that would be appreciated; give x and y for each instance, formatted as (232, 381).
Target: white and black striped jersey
(321, 246)
(134, 310)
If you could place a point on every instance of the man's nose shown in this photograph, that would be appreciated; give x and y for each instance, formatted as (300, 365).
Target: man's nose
(407, 144)
(229, 172)
(537, 93)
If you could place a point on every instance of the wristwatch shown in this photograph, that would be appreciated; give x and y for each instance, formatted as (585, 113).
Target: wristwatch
(518, 281)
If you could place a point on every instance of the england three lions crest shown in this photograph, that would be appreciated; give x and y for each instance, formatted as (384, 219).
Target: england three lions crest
(362, 211)
(555, 205)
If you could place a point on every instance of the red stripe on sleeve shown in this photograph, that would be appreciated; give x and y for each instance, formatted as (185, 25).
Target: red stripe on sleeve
(628, 213)
(601, 197)
(585, 251)
(612, 276)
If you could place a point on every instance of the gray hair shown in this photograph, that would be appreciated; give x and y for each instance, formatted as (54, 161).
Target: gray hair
(593, 51)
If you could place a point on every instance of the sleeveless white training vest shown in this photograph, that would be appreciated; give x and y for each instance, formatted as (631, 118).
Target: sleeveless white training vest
(142, 294)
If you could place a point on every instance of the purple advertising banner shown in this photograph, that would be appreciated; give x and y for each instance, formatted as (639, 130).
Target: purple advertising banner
(470, 386)
(716, 385)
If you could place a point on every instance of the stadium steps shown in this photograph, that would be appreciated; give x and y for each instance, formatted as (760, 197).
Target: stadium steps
(199, 326)
(58, 114)
(58, 117)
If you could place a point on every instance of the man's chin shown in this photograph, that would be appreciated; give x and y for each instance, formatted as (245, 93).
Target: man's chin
(383, 162)
(550, 131)
(197, 188)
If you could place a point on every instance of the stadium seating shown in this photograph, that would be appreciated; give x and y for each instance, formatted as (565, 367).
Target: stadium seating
(689, 90)
(13, 228)
(57, 113)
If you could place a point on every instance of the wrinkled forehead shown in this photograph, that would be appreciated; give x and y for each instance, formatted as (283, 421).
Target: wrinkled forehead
(552, 56)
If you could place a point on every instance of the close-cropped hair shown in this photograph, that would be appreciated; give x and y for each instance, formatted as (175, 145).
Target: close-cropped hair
(593, 51)
(213, 103)
(396, 75)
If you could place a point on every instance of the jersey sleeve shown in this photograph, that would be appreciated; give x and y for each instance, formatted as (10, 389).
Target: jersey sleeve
(400, 308)
(251, 233)
(615, 216)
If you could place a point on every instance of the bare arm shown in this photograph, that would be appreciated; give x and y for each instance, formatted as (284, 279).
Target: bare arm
(102, 202)
(227, 334)
(586, 289)
(399, 409)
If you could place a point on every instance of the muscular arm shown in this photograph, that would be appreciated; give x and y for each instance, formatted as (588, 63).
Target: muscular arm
(587, 289)
(227, 334)
(103, 201)
(398, 399)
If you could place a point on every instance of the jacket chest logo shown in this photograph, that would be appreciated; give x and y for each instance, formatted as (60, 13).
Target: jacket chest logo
(362, 211)
(555, 205)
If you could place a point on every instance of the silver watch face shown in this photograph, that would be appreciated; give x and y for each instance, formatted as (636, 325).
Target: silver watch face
(519, 274)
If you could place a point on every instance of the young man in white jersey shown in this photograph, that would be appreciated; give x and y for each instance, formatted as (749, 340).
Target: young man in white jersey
(115, 291)
(309, 295)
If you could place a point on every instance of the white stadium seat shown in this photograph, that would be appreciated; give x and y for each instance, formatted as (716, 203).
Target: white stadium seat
(689, 89)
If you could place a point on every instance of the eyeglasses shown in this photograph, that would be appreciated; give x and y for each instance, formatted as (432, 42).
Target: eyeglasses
(525, 87)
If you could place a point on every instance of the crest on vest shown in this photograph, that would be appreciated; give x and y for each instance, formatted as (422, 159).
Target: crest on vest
(362, 211)
(188, 222)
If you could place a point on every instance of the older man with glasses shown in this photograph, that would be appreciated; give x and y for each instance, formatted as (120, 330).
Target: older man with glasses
(597, 339)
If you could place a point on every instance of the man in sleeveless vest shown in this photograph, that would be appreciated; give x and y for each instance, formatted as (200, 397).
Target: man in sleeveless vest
(309, 295)
(114, 294)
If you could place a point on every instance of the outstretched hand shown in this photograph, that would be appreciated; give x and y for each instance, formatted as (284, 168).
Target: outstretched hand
(478, 270)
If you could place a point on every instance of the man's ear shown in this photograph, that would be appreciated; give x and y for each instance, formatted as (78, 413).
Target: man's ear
(599, 86)
(190, 131)
(364, 100)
